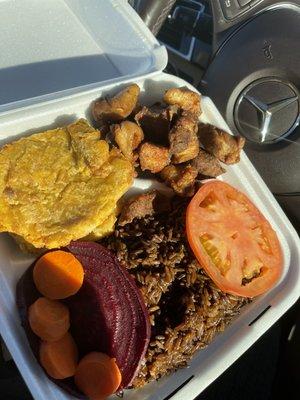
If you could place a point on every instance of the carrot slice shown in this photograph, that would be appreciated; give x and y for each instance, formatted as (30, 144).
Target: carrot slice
(49, 319)
(59, 358)
(97, 376)
(58, 275)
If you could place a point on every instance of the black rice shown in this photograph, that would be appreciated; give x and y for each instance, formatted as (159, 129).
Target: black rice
(186, 308)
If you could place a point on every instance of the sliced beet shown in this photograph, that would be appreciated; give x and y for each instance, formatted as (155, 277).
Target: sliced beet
(109, 310)
(108, 313)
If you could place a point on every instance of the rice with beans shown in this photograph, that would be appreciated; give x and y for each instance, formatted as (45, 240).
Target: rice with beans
(186, 309)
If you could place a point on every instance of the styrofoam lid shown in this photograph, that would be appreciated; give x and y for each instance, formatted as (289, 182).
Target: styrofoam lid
(55, 47)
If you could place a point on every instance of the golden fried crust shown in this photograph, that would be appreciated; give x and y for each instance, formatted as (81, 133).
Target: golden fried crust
(27, 247)
(128, 137)
(184, 98)
(222, 145)
(207, 164)
(104, 229)
(118, 107)
(181, 178)
(59, 185)
(137, 207)
(143, 204)
(170, 173)
(184, 143)
(153, 158)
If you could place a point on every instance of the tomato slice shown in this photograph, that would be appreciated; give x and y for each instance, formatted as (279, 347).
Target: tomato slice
(232, 240)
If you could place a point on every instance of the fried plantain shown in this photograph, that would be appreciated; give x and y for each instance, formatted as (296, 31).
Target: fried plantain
(60, 185)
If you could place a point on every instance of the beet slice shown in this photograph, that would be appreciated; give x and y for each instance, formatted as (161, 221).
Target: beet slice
(116, 322)
(108, 313)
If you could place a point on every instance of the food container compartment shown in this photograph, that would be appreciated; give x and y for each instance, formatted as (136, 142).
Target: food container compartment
(254, 319)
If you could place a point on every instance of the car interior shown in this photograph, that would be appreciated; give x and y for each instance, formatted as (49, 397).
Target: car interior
(244, 55)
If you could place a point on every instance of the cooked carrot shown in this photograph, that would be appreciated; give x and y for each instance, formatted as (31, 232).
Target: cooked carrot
(59, 358)
(58, 275)
(49, 319)
(97, 376)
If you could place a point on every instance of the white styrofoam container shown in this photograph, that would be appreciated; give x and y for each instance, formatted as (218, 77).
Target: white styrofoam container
(29, 115)
(55, 48)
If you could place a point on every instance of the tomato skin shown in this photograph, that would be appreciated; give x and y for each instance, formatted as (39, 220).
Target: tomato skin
(238, 235)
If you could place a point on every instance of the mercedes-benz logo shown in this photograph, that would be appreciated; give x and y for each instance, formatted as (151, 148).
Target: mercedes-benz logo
(267, 110)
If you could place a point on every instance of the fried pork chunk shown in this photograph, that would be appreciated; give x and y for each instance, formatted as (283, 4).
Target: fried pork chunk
(128, 137)
(142, 205)
(137, 207)
(117, 107)
(153, 158)
(207, 164)
(184, 142)
(184, 98)
(222, 145)
(181, 178)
